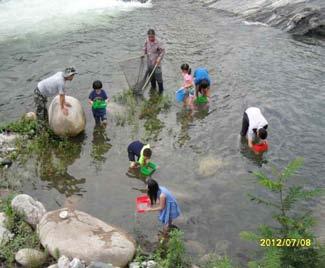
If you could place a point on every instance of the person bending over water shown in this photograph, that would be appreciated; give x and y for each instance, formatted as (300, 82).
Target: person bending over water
(165, 203)
(254, 127)
(202, 82)
(141, 151)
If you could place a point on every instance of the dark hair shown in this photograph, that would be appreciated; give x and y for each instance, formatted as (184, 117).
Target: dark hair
(204, 84)
(153, 188)
(97, 84)
(262, 133)
(147, 152)
(186, 67)
(151, 32)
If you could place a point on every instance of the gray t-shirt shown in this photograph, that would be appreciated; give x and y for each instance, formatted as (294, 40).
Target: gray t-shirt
(52, 85)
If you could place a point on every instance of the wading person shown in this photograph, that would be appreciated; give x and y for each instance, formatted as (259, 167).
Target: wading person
(50, 87)
(164, 202)
(98, 100)
(154, 52)
(202, 82)
(141, 151)
(254, 127)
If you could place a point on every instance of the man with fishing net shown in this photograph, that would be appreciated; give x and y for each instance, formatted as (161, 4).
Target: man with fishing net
(154, 52)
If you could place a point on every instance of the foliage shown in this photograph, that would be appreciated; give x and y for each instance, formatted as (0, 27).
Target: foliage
(22, 126)
(291, 223)
(24, 235)
(215, 261)
(173, 255)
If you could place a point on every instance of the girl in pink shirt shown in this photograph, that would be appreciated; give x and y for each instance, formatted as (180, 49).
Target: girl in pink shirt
(188, 85)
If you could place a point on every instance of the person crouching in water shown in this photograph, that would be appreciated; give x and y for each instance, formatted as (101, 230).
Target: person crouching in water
(141, 151)
(98, 100)
(163, 201)
(202, 82)
(254, 127)
(188, 85)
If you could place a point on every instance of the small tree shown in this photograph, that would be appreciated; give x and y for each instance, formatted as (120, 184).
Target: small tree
(290, 224)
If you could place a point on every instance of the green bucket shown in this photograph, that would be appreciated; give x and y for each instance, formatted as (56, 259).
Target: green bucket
(148, 169)
(99, 104)
(201, 100)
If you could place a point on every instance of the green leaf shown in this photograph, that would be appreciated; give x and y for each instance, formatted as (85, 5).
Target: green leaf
(259, 200)
(249, 236)
(268, 183)
(292, 168)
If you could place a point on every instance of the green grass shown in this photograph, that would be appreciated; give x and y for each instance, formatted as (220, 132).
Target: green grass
(24, 235)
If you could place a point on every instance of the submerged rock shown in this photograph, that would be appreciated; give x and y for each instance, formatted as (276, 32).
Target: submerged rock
(5, 235)
(30, 116)
(30, 257)
(30, 208)
(72, 124)
(209, 166)
(85, 237)
(53, 266)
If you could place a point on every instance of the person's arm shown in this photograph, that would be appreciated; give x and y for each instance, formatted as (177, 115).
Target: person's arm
(90, 102)
(161, 54)
(250, 143)
(162, 204)
(63, 104)
(91, 99)
(145, 51)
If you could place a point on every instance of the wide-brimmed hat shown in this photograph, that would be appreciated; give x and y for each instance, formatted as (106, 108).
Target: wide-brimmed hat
(69, 71)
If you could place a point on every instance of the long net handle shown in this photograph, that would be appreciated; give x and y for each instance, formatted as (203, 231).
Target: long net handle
(149, 77)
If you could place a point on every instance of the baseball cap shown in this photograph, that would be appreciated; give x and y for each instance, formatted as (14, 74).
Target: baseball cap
(69, 71)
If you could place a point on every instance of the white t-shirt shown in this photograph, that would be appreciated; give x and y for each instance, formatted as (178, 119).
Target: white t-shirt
(52, 85)
(256, 121)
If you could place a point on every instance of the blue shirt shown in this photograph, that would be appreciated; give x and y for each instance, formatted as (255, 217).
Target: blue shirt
(201, 74)
(101, 96)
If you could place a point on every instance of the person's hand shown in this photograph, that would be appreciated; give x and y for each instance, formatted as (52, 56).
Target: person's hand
(67, 104)
(65, 111)
(142, 56)
(158, 61)
(147, 209)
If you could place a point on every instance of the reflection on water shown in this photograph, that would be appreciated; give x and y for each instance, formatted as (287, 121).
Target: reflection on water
(186, 117)
(258, 159)
(100, 146)
(53, 168)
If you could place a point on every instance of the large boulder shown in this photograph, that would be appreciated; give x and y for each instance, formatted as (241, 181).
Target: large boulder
(30, 208)
(80, 235)
(72, 124)
(30, 257)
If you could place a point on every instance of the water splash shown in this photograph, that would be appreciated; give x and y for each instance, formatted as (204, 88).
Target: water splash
(22, 18)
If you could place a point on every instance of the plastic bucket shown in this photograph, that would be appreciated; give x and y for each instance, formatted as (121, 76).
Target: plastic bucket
(201, 100)
(99, 104)
(142, 203)
(149, 169)
(180, 95)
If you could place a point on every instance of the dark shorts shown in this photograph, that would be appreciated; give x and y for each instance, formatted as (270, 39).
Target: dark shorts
(134, 150)
(157, 76)
(100, 115)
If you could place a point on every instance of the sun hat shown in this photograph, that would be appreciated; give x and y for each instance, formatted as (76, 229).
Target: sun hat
(69, 71)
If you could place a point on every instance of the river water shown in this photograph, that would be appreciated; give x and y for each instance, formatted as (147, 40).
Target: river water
(201, 158)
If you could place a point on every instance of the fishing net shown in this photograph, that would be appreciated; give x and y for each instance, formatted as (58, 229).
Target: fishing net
(135, 71)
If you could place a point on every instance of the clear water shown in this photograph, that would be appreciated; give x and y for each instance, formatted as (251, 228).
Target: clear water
(202, 161)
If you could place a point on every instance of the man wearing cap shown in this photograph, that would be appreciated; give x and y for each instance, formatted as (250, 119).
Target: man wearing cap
(51, 87)
(155, 52)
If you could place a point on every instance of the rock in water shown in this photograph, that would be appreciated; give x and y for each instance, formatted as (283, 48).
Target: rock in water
(32, 209)
(209, 165)
(63, 262)
(72, 124)
(83, 236)
(3, 219)
(30, 257)
(30, 116)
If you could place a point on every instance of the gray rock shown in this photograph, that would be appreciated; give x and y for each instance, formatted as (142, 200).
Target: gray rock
(3, 219)
(134, 265)
(53, 266)
(5, 235)
(76, 263)
(32, 209)
(94, 264)
(63, 262)
(83, 236)
(151, 264)
(30, 257)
